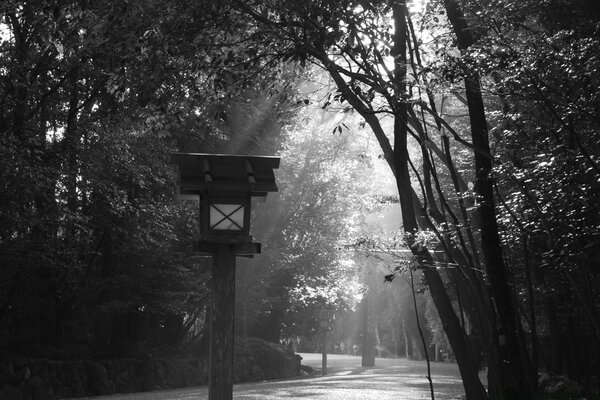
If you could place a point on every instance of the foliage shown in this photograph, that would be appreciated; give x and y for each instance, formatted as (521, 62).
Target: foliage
(94, 250)
(95, 95)
(303, 269)
(540, 99)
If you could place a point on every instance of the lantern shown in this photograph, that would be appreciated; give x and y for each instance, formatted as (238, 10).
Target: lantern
(225, 185)
(225, 218)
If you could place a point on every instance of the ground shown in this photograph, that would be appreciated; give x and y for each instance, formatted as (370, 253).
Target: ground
(345, 379)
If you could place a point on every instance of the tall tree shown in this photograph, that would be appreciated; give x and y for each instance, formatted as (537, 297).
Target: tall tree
(526, 382)
(547, 151)
(354, 44)
(303, 227)
(94, 98)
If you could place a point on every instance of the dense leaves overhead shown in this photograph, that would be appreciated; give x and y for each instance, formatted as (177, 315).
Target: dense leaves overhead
(472, 104)
(549, 137)
(95, 95)
(304, 268)
(520, 80)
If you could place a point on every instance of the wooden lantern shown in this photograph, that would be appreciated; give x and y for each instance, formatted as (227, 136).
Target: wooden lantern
(225, 185)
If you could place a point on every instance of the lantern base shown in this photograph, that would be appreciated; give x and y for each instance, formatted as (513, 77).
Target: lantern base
(239, 249)
(226, 238)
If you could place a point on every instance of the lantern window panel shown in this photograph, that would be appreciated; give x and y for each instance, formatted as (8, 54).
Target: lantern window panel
(226, 217)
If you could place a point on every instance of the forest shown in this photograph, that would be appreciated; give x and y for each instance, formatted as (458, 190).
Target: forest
(477, 120)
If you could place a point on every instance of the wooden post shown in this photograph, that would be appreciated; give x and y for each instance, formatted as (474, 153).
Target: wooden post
(220, 383)
(224, 186)
(368, 342)
(394, 337)
(324, 352)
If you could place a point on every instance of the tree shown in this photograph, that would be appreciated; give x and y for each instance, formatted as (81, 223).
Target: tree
(94, 98)
(526, 381)
(303, 227)
(354, 53)
(547, 142)
(352, 41)
(499, 93)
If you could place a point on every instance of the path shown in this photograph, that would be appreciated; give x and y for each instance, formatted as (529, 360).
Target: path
(346, 380)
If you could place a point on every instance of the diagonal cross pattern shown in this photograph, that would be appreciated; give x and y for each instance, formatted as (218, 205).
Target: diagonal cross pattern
(227, 216)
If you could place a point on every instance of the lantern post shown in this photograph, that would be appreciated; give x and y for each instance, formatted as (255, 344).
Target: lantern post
(224, 185)
(325, 317)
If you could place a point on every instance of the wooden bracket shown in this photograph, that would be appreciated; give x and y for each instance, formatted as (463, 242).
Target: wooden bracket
(239, 249)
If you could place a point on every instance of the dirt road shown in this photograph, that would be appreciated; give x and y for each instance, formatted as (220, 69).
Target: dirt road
(346, 380)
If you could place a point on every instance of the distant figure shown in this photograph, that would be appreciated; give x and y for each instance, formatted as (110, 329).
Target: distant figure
(355, 349)
(342, 348)
(476, 349)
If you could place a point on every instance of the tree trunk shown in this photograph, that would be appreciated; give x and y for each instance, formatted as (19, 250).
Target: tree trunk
(524, 383)
(407, 343)
(556, 345)
(368, 348)
(474, 390)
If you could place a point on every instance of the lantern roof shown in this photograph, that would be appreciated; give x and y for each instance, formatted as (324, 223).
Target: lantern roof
(225, 174)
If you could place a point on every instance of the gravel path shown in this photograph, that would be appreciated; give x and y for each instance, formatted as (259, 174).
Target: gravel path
(346, 380)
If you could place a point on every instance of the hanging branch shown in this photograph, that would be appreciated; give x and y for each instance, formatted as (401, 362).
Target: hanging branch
(414, 296)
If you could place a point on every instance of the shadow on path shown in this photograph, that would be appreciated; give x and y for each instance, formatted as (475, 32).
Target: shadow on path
(390, 379)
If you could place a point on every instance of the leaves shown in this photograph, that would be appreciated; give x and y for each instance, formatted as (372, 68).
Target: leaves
(95, 97)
